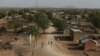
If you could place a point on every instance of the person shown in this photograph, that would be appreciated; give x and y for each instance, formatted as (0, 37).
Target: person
(48, 42)
(58, 39)
(42, 45)
(51, 42)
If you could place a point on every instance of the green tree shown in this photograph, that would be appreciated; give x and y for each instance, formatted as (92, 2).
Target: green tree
(30, 18)
(50, 15)
(60, 24)
(14, 24)
(42, 21)
(32, 30)
(95, 19)
(2, 15)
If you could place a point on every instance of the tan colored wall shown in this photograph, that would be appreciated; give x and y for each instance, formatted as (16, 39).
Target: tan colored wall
(66, 32)
(76, 37)
(89, 46)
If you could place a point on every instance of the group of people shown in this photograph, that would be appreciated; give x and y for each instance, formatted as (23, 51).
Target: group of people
(49, 42)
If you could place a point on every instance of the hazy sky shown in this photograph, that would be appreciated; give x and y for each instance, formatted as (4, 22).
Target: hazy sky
(51, 3)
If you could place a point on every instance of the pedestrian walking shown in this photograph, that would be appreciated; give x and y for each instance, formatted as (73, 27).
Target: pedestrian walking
(51, 42)
(48, 42)
(58, 39)
(42, 45)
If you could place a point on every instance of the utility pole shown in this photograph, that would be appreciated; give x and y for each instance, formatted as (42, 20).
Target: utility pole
(33, 45)
(36, 4)
(34, 42)
(30, 40)
(33, 38)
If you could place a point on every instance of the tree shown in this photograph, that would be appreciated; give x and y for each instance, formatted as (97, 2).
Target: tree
(32, 30)
(60, 24)
(2, 30)
(95, 19)
(30, 18)
(42, 21)
(2, 15)
(21, 12)
(14, 24)
(50, 15)
(9, 13)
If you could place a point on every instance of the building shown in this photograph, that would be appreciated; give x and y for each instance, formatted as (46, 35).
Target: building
(78, 16)
(73, 23)
(86, 16)
(75, 35)
(86, 27)
(66, 32)
(88, 44)
(3, 22)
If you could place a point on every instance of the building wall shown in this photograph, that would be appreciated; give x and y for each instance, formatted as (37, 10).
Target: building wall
(76, 37)
(71, 34)
(89, 45)
(66, 32)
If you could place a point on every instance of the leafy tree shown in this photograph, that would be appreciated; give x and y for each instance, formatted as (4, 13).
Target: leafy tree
(32, 30)
(2, 29)
(10, 14)
(50, 15)
(2, 15)
(95, 19)
(60, 24)
(42, 21)
(14, 24)
(30, 18)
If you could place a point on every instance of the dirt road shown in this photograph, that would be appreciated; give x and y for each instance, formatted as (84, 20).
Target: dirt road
(45, 46)
(49, 47)
(51, 50)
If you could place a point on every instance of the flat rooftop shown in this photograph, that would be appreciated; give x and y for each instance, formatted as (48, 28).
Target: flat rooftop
(76, 30)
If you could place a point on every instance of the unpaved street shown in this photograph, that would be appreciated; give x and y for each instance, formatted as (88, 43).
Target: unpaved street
(49, 46)
(46, 45)
(50, 49)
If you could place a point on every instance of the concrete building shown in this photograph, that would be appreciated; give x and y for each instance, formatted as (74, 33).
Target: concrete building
(75, 35)
(86, 26)
(88, 44)
(78, 16)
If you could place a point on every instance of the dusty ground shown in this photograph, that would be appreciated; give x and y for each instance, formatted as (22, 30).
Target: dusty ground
(7, 53)
(52, 49)
(45, 45)
(73, 51)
